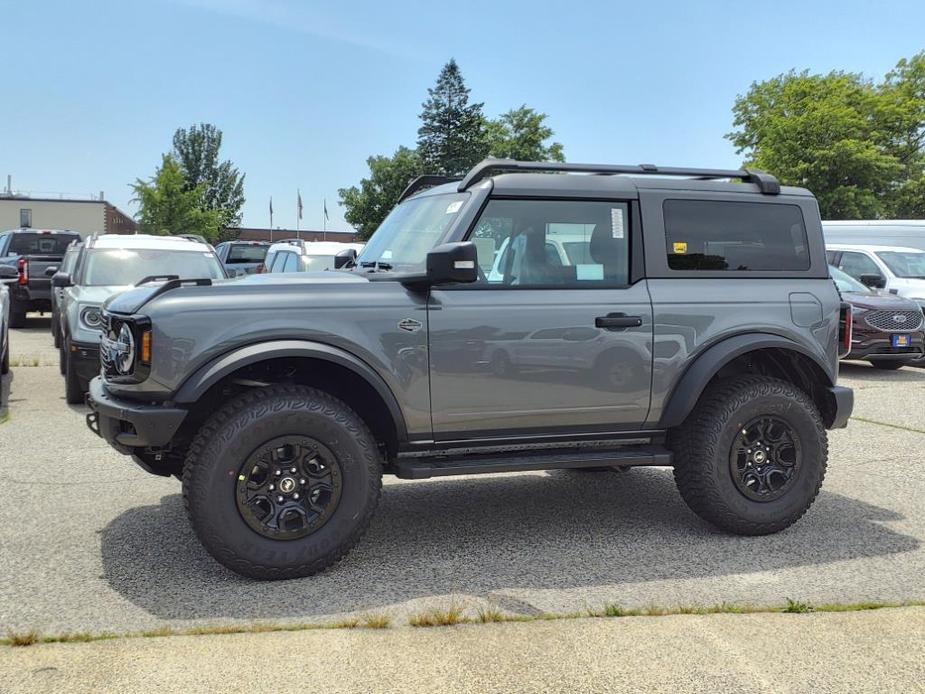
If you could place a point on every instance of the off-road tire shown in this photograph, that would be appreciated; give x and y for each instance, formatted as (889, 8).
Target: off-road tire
(73, 390)
(702, 446)
(62, 359)
(887, 365)
(227, 439)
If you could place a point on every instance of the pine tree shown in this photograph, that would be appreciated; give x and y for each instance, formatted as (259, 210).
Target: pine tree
(451, 138)
(197, 150)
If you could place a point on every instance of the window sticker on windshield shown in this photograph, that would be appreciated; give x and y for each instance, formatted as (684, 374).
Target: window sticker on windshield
(679, 247)
(453, 207)
(387, 254)
(616, 222)
(589, 272)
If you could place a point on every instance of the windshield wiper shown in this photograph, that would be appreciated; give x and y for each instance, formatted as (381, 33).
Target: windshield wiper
(376, 265)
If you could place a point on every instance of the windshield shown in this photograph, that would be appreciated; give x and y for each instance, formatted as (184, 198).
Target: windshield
(411, 230)
(315, 263)
(904, 263)
(246, 254)
(846, 283)
(121, 266)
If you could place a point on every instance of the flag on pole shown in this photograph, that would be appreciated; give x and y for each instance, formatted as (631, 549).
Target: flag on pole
(326, 218)
(299, 194)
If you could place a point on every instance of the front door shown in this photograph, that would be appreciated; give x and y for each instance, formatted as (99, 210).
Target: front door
(553, 339)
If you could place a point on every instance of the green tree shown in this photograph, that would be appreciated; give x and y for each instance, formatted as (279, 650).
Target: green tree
(167, 207)
(521, 133)
(823, 132)
(197, 151)
(367, 205)
(451, 138)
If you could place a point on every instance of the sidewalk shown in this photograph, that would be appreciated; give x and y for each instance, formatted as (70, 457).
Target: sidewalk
(873, 651)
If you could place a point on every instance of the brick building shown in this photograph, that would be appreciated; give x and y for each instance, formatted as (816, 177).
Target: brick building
(84, 216)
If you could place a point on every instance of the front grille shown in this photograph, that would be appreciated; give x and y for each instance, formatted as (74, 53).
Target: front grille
(894, 321)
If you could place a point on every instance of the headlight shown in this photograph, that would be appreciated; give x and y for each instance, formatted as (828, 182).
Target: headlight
(91, 317)
(125, 354)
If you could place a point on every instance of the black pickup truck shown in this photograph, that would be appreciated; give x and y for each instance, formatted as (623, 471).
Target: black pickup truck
(35, 254)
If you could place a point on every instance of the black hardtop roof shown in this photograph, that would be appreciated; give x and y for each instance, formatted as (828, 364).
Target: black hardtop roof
(572, 180)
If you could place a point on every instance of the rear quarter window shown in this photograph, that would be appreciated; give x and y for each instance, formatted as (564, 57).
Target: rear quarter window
(735, 236)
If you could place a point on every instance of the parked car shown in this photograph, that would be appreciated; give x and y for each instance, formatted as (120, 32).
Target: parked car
(67, 266)
(7, 275)
(887, 330)
(32, 252)
(281, 402)
(242, 256)
(305, 256)
(901, 271)
(905, 233)
(105, 266)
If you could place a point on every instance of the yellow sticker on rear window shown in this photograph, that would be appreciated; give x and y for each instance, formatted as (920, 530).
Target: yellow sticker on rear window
(679, 246)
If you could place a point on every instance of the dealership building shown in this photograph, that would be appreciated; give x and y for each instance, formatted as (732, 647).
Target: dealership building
(85, 216)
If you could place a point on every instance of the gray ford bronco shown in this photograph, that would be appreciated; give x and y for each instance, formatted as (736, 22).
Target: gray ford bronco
(529, 316)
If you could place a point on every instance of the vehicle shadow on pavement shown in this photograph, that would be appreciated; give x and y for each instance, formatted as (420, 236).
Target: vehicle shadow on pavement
(474, 536)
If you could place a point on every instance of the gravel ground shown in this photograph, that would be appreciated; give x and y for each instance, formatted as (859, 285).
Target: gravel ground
(90, 542)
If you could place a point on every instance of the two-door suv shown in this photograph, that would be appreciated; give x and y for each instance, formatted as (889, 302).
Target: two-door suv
(636, 316)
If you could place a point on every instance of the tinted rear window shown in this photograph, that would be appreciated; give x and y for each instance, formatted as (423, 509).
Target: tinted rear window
(40, 244)
(246, 254)
(714, 235)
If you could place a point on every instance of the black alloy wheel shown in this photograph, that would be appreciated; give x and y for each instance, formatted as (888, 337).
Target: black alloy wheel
(289, 487)
(765, 458)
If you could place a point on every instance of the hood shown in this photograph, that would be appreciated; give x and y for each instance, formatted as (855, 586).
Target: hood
(885, 302)
(134, 299)
(97, 295)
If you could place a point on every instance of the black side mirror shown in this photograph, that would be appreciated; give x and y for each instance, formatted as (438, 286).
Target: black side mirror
(51, 270)
(8, 272)
(61, 279)
(453, 262)
(348, 255)
(873, 281)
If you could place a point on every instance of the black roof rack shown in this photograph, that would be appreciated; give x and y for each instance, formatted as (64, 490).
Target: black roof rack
(426, 181)
(766, 183)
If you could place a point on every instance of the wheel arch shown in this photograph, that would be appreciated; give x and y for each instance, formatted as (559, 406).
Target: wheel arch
(752, 352)
(309, 363)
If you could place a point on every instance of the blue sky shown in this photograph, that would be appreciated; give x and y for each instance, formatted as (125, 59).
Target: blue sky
(305, 91)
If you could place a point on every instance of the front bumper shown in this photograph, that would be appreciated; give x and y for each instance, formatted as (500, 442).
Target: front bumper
(841, 404)
(130, 426)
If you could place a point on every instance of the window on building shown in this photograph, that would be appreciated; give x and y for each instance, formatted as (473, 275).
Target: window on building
(713, 235)
(25, 218)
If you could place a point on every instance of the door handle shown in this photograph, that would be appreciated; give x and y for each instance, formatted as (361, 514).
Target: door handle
(617, 320)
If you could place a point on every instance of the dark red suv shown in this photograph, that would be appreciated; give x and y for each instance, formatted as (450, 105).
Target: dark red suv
(887, 330)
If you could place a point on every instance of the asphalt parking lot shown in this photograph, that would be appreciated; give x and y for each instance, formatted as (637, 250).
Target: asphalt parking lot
(91, 543)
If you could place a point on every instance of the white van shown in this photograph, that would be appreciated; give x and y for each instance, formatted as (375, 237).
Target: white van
(899, 270)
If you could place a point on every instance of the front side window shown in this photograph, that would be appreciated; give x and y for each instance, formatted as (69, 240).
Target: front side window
(734, 236)
(317, 263)
(846, 283)
(123, 266)
(904, 263)
(410, 231)
(857, 264)
(530, 243)
(292, 263)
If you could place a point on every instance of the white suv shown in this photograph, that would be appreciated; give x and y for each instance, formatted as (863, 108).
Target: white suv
(304, 256)
(899, 270)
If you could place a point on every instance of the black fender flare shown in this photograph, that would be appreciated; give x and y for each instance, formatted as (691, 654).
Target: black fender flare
(211, 373)
(689, 387)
